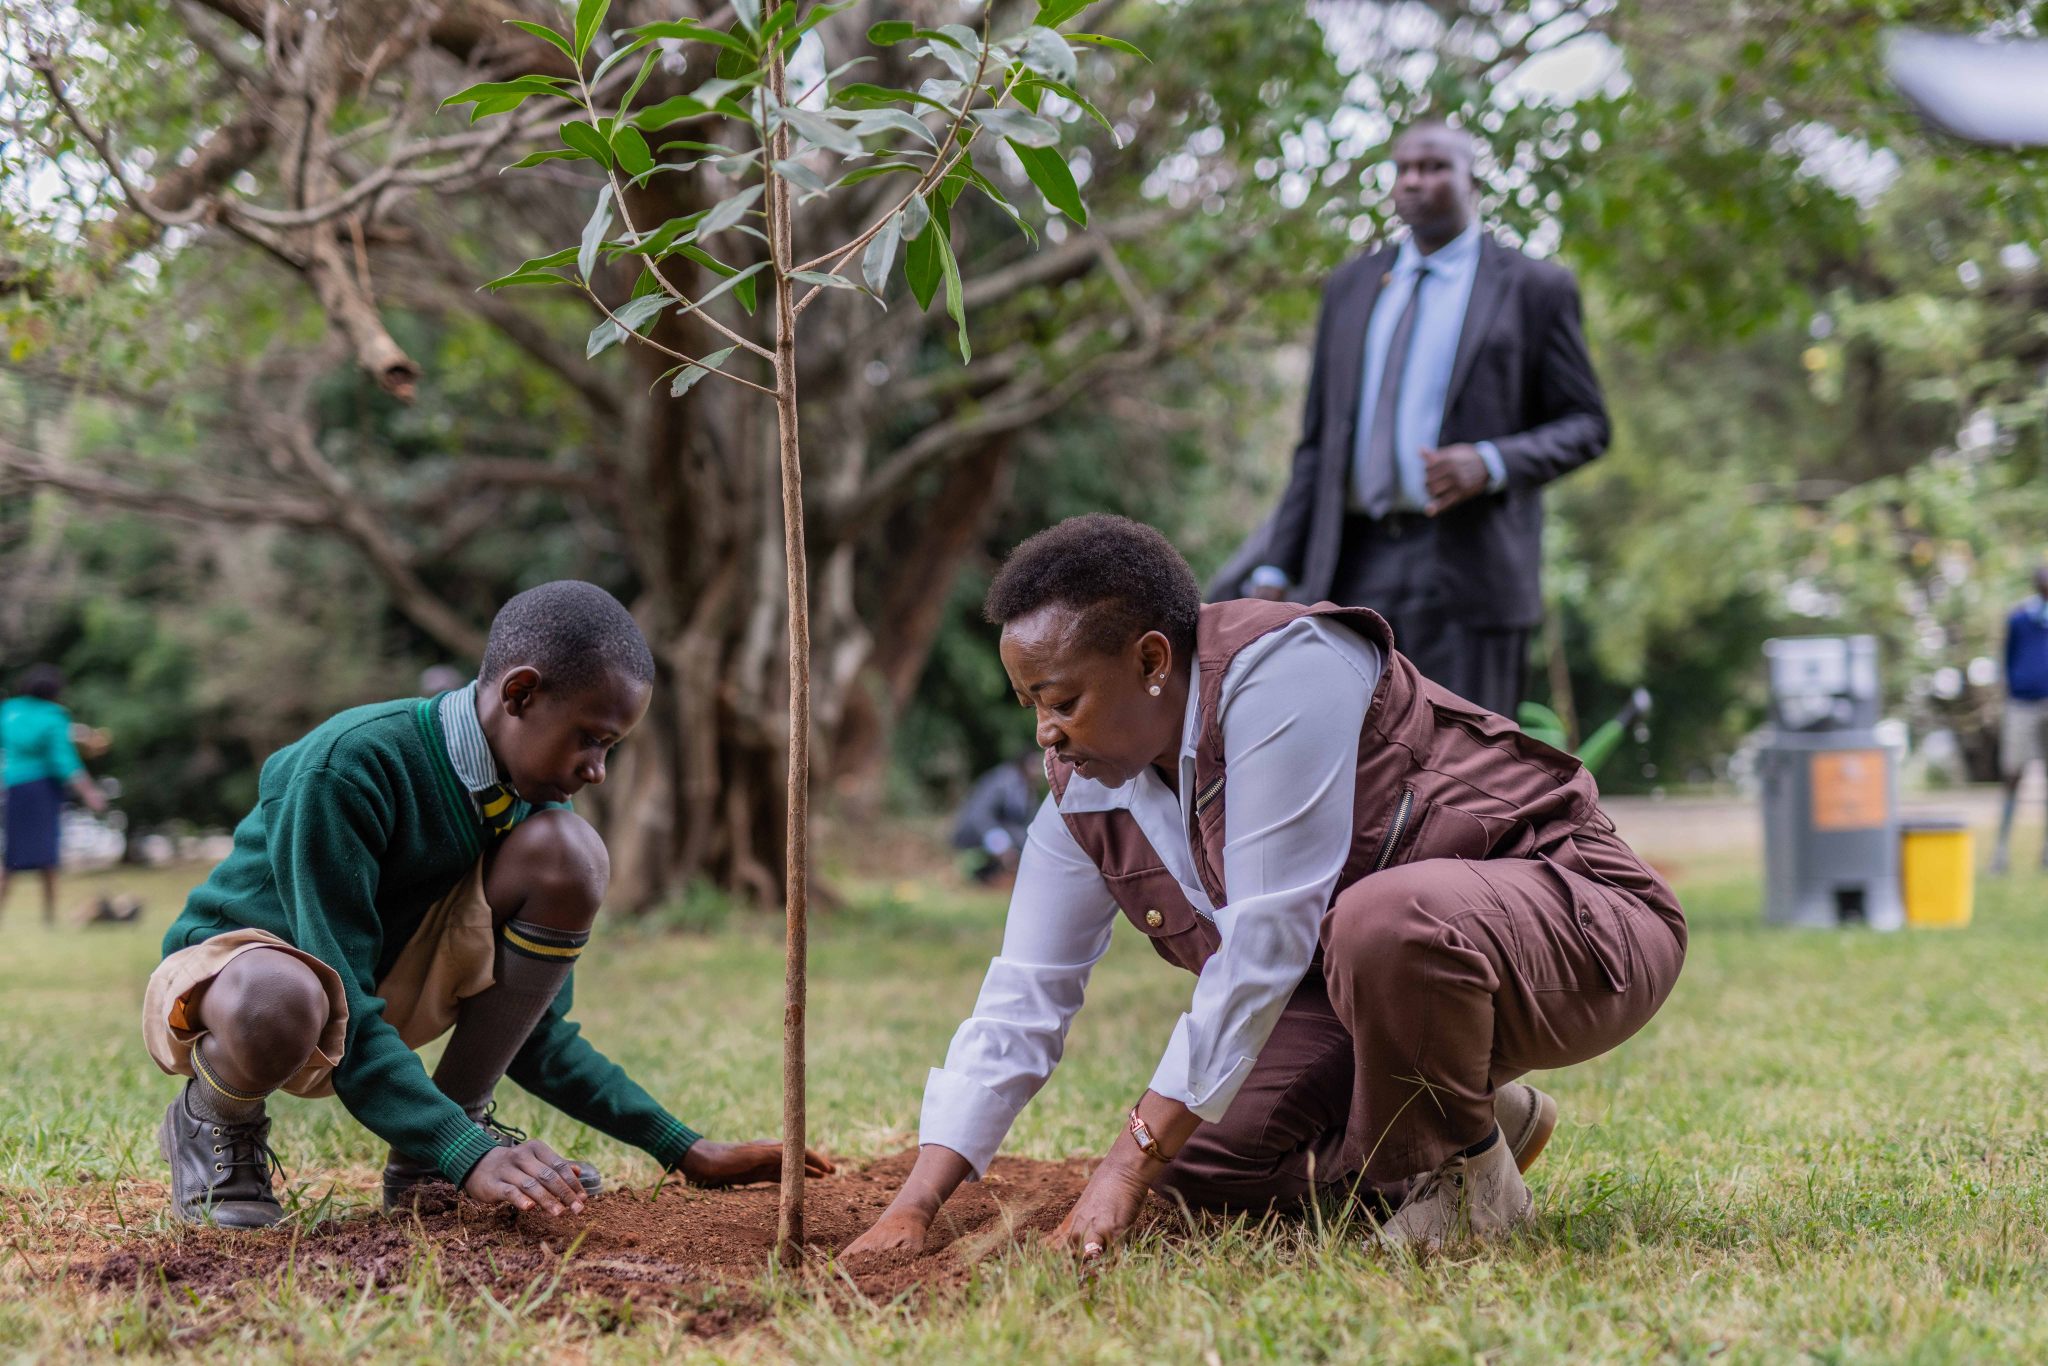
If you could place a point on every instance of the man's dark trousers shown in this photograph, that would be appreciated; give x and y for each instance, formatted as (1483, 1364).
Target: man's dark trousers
(1390, 565)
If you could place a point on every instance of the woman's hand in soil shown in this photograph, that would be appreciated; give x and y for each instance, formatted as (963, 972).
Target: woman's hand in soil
(529, 1176)
(1105, 1212)
(738, 1164)
(898, 1230)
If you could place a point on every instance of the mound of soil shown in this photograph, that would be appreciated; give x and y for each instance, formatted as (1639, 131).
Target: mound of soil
(692, 1251)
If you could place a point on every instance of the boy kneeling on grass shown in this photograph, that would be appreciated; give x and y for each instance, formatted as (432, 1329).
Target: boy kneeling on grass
(410, 867)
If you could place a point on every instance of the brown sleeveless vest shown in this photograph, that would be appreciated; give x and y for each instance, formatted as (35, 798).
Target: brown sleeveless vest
(1438, 777)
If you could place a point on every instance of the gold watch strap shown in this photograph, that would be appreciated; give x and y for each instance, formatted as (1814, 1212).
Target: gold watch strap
(1141, 1134)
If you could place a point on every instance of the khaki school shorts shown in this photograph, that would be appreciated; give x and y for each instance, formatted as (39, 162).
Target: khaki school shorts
(447, 960)
(2022, 735)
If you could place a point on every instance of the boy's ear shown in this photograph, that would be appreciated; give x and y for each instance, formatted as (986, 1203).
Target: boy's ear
(518, 688)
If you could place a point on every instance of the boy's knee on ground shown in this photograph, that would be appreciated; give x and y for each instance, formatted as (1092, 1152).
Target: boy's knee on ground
(265, 1000)
(551, 870)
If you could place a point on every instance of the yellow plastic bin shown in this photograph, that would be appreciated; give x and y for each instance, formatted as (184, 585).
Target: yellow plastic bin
(1937, 870)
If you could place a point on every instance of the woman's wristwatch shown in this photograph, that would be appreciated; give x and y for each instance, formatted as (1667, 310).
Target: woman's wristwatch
(1141, 1134)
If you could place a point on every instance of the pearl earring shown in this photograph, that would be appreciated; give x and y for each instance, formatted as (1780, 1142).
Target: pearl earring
(1155, 690)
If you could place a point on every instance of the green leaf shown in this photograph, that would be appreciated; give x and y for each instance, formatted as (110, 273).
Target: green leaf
(956, 306)
(1019, 127)
(890, 32)
(1029, 89)
(916, 213)
(638, 311)
(880, 255)
(801, 176)
(727, 212)
(626, 100)
(546, 35)
(820, 13)
(972, 174)
(952, 53)
(818, 129)
(862, 95)
(658, 242)
(536, 158)
(589, 14)
(1113, 44)
(1053, 13)
(921, 264)
(581, 137)
(499, 97)
(603, 337)
(687, 380)
(692, 31)
(870, 121)
(619, 54)
(631, 149)
(526, 275)
(856, 176)
(731, 281)
(749, 12)
(594, 232)
(1048, 54)
(733, 65)
(1049, 171)
(822, 279)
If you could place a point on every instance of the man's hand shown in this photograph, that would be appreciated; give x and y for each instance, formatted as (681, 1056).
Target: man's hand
(739, 1164)
(1452, 474)
(529, 1176)
(900, 1229)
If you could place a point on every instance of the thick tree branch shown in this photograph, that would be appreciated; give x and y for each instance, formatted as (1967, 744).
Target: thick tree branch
(35, 469)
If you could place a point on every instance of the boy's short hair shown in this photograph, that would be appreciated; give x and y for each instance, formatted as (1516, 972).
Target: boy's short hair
(41, 680)
(574, 632)
(1122, 576)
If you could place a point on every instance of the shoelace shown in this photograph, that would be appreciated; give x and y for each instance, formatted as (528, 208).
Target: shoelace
(505, 1133)
(1451, 1167)
(247, 1145)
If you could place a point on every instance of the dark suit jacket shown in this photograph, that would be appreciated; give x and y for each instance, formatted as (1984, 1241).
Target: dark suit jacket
(1522, 380)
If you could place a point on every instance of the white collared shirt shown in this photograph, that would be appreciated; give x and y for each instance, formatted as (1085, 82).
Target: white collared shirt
(1292, 705)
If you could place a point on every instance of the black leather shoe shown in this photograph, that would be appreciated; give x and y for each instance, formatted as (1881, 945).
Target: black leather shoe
(220, 1173)
(404, 1174)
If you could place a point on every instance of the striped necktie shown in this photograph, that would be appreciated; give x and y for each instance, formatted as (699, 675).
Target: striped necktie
(499, 808)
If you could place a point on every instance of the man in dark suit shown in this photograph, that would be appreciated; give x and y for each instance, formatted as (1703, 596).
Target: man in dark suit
(1450, 383)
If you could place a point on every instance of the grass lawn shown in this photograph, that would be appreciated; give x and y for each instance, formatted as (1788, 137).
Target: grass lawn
(1826, 1147)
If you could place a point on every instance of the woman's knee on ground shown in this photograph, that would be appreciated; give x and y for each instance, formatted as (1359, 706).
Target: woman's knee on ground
(265, 1002)
(551, 870)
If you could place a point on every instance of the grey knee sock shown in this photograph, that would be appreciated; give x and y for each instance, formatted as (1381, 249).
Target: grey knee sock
(210, 1098)
(492, 1026)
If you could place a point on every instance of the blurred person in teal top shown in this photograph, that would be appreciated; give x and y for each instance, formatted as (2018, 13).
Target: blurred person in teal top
(37, 761)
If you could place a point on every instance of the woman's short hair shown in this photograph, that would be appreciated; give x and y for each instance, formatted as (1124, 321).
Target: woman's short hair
(42, 680)
(1123, 577)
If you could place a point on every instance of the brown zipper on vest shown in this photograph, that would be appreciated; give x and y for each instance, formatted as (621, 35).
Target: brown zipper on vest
(1207, 795)
(1395, 828)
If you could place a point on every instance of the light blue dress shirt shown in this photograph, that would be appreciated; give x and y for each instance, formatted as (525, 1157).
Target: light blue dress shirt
(1432, 355)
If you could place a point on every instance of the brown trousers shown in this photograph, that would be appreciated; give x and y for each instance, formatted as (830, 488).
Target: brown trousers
(1438, 981)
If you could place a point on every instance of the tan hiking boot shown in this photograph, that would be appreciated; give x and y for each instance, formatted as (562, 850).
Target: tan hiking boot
(1527, 1118)
(1467, 1199)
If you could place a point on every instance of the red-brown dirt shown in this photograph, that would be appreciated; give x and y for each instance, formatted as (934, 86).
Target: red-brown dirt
(695, 1252)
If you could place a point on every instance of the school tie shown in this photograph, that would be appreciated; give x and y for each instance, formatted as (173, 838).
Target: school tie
(1379, 475)
(498, 806)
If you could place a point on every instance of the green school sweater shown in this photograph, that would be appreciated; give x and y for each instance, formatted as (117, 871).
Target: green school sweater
(359, 828)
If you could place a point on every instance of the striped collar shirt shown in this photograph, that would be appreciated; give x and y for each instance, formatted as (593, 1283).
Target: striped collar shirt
(469, 752)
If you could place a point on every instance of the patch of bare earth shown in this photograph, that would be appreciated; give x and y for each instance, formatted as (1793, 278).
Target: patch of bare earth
(699, 1253)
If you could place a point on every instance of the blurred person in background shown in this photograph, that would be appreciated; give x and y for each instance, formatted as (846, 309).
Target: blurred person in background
(37, 762)
(996, 815)
(2023, 732)
(1450, 383)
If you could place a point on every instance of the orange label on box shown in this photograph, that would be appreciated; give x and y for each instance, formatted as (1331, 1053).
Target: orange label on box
(1848, 790)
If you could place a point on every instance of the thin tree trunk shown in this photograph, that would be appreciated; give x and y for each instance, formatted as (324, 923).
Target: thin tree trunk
(789, 1224)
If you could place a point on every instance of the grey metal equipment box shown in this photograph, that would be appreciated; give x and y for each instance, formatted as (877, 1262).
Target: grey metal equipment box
(1830, 789)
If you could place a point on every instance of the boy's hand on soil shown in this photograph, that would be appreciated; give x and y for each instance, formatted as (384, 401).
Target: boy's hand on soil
(529, 1176)
(738, 1164)
(898, 1230)
(1108, 1206)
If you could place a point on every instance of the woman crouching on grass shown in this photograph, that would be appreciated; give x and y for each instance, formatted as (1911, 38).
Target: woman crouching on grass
(1395, 904)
